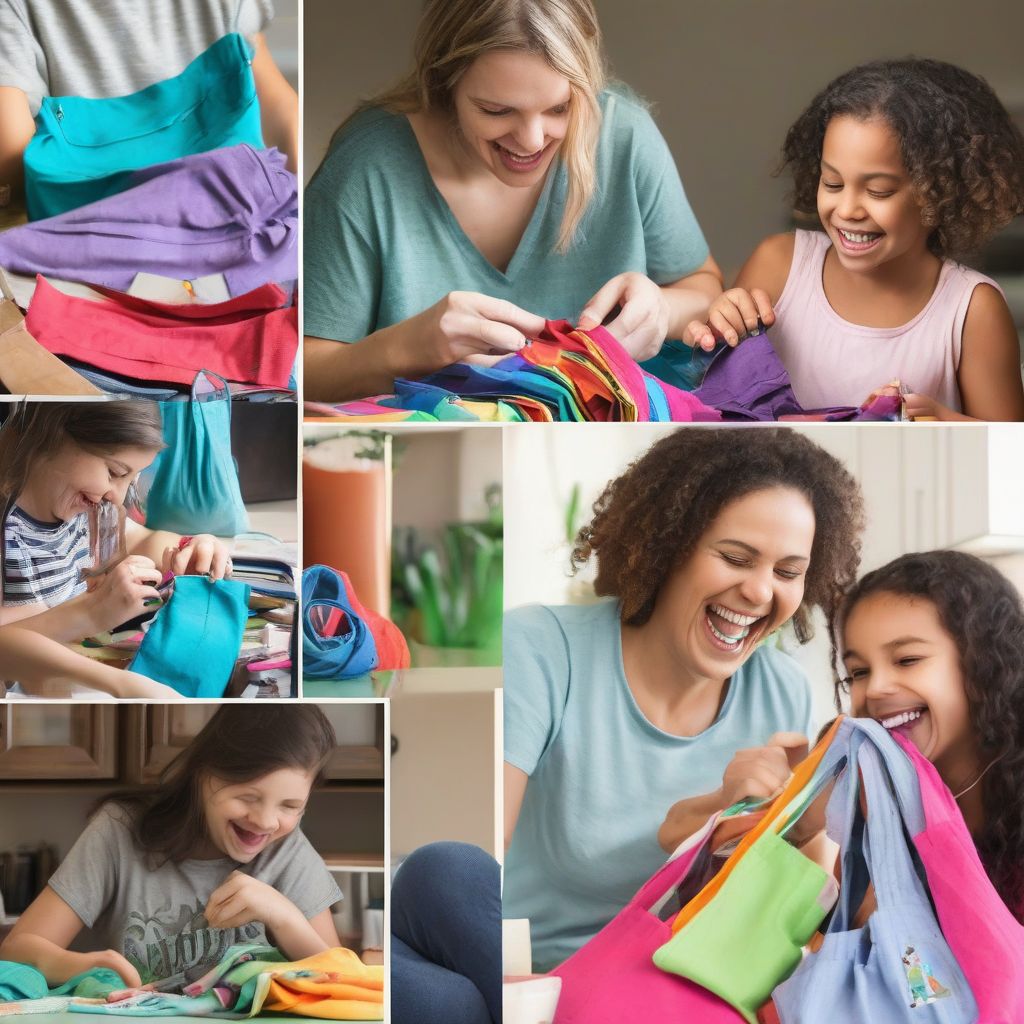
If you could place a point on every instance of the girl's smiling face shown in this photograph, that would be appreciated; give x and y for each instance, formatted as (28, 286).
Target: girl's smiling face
(243, 819)
(744, 579)
(513, 112)
(75, 479)
(866, 201)
(903, 670)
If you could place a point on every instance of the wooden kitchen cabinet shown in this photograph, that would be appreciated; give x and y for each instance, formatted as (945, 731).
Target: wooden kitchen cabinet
(58, 742)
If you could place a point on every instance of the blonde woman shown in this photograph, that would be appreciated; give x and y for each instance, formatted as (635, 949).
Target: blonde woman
(501, 182)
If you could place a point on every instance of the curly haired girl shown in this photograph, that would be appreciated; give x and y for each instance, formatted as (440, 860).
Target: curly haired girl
(910, 165)
(933, 645)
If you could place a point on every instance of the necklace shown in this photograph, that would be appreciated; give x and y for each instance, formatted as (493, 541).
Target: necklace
(956, 796)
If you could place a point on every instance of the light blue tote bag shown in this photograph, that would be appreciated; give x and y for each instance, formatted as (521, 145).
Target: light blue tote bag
(85, 149)
(193, 483)
(898, 967)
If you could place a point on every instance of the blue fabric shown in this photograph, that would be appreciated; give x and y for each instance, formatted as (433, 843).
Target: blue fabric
(602, 777)
(345, 656)
(195, 638)
(85, 149)
(193, 483)
(381, 244)
(446, 937)
(19, 981)
(660, 412)
(898, 966)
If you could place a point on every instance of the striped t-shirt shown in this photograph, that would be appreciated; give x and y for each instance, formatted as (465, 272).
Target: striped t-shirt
(42, 561)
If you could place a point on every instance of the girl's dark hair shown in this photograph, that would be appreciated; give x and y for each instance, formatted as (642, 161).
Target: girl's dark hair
(240, 743)
(983, 613)
(648, 521)
(963, 153)
(37, 430)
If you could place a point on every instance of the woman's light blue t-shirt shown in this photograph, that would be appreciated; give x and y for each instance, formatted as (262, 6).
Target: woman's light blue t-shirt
(602, 777)
(381, 243)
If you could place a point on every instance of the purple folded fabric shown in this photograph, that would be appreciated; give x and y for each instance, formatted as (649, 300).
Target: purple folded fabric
(230, 211)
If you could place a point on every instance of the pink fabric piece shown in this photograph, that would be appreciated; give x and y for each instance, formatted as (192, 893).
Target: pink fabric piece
(612, 979)
(983, 935)
(248, 339)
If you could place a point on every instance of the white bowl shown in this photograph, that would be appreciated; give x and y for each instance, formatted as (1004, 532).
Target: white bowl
(530, 1002)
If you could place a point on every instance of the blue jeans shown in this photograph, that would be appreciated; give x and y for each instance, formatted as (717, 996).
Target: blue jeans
(446, 937)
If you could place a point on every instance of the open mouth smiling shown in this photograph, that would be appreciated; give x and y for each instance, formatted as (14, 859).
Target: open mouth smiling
(729, 629)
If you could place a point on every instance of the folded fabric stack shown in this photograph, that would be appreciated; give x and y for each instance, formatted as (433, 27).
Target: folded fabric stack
(563, 375)
(251, 979)
(341, 637)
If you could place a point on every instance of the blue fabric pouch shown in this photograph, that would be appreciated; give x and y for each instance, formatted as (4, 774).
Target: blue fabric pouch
(192, 486)
(84, 149)
(195, 638)
(345, 655)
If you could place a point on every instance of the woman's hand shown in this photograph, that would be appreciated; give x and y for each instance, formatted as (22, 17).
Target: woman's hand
(121, 593)
(732, 317)
(202, 555)
(642, 324)
(761, 772)
(465, 324)
(241, 899)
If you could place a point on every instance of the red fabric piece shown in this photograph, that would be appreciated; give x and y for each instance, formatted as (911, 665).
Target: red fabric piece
(249, 339)
(392, 650)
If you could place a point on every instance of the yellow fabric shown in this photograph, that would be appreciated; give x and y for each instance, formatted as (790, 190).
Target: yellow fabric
(774, 817)
(339, 986)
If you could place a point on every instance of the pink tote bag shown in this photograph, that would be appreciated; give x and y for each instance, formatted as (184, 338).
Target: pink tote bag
(612, 979)
(984, 936)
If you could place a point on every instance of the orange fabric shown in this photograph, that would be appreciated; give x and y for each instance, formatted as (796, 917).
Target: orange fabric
(773, 818)
(335, 984)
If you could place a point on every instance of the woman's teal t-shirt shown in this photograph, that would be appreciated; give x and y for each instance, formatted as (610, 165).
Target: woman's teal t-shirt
(381, 243)
(602, 777)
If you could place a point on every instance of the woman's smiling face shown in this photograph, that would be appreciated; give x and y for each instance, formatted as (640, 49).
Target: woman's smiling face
(744, 579)
(512, 109)
(903, 670)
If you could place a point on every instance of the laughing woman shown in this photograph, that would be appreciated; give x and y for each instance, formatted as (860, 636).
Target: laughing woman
(623, 718)
(501, 182)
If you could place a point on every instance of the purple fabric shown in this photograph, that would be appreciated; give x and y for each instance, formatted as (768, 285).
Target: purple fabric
(230, 211)
(749, 382)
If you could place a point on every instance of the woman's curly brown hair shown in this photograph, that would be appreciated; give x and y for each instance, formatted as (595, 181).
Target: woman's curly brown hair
(648, 521)
(983, 613)
(963, 153)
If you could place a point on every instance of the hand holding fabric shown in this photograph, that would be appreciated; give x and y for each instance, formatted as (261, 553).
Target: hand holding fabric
(122, 592)
(642, 324)
(919, 407)
(731, 318)
(134, 684)
(761, 772)
(112, 959)
(202, 555)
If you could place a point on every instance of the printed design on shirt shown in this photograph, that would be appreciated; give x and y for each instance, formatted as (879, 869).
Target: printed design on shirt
(925, 988)
(179, 941)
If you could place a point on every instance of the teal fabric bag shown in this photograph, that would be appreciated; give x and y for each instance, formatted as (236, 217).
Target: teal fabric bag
(193, 483)
(195, 638)
(85, 149)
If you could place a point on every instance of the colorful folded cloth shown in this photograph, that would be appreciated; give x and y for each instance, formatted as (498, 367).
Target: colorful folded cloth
(332, 985)
(249, 338)
(231, 211)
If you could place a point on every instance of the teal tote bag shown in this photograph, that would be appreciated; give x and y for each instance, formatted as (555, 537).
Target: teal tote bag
(193, 484)
(85, 149)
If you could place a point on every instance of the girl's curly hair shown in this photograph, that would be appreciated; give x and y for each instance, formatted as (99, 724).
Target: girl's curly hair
(648, 521)
(983, 613)
(963, 153)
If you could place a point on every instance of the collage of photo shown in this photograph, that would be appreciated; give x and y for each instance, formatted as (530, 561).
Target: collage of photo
(503, 503)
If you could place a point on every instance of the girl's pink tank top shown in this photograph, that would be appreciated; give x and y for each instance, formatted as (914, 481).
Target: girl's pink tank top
(833, 362)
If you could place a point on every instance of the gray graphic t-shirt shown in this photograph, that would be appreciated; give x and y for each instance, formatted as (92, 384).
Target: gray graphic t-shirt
(154, 917)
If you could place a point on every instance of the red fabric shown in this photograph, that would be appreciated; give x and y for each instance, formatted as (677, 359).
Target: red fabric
(249, 339)
(392, 650)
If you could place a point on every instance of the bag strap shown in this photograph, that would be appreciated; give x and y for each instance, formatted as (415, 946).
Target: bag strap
(775, 818)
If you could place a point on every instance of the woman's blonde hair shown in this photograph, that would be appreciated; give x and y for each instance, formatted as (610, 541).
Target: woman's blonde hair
(452, 34)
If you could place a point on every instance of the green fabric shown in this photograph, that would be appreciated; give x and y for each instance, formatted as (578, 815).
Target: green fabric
(749, 938)
(381, 243)
(19, 981)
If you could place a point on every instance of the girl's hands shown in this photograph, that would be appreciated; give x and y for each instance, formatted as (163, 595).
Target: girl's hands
(203, 555)
(131, 684)
(642, 324)
(924, 407)
(115, 961)
(121, 594)
(733, 316)
(242, 898)
(465, 324)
